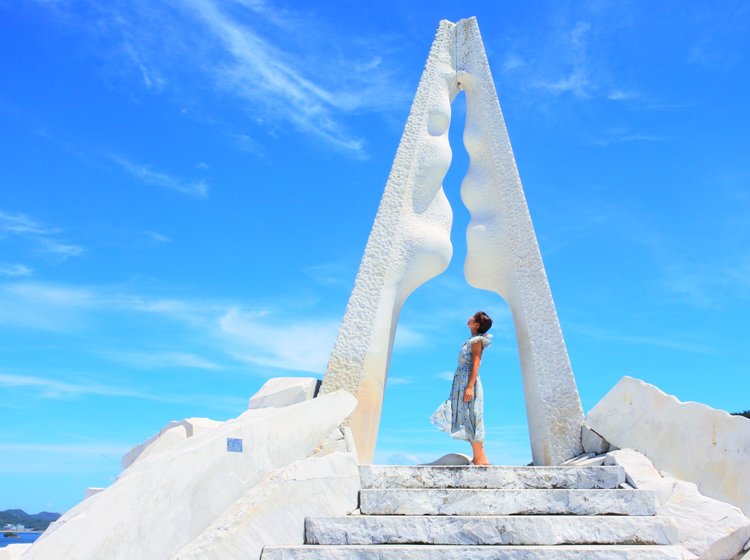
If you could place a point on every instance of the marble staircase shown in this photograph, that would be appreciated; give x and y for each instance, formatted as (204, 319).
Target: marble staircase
(451, 512)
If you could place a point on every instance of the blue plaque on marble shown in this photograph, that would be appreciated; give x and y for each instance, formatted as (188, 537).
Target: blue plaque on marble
(234, 445)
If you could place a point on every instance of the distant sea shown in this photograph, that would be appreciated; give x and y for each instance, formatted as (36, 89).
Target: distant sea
(23, 537)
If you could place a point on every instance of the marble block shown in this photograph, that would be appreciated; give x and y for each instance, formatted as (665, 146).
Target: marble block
(709, 529)
(593, 442)
(14, 551)
(431, 552)
(274, 511)
(169, 437)
(501, 477)
(163, 502)
(506, 502)
(283, 391)
(691, 441)
(454, 459)
(489, 530)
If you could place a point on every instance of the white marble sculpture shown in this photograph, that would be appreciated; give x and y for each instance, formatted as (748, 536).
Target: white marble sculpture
(410, 244)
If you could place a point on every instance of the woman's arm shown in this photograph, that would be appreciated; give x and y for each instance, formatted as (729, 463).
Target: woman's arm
(476, 357)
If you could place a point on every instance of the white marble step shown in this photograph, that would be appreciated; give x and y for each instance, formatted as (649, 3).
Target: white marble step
(489, 530)
(400, 476)
(438, 501)
(450, 552)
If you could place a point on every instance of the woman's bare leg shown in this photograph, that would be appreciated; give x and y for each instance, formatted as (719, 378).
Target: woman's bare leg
(480, 458)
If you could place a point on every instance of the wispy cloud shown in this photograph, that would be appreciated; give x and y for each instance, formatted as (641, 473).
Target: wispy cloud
(52, 389)
(14, 270)
(160, 179)
(281, 65)
(400, 380)
(260, 339)
(152, 79)
(56, 458)
(264, 74)
(161, 360)
(158, 237)
(574, 50)
(329, 274)
(623, 135)
(672, 343)
(44, 238)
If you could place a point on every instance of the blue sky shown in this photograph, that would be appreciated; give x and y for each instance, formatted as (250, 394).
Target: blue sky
(188, 186)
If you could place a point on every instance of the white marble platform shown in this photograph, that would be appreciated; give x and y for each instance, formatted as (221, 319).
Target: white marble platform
(452, 501)
(506, 477)
(489, 530)
(431, 552)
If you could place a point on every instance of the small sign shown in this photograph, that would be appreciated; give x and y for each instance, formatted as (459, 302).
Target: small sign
(234, 445)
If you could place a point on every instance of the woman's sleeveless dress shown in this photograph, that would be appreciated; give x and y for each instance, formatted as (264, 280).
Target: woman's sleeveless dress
(460, 419)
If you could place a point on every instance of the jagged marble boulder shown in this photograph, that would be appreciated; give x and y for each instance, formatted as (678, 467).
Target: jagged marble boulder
(691, 441)
(169, 437)
(708, 529)
(163, 502)
(283, 391)
(274, 511)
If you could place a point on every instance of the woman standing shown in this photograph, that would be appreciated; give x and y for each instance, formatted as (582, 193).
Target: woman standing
(462, 415)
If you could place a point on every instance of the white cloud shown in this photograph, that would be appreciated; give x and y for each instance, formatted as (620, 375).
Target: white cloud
(158, 237)
(21, 224)
(160, 360)
(397, 380)
(620, 95)
(282, 66)
(52, 389)
(45, 238)
(157, 178)
(13, 270)
(407, 337)
(262, 339)
(263, 73)
(674, 342)
(446, 375)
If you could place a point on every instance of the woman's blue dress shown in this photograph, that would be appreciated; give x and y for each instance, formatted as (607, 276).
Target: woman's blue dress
(460, 419)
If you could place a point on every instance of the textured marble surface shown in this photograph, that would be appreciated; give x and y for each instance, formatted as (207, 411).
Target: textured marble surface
(502, 255)
(396, 476)
(489, 530)
(283, 391)
(437, 501)
(410, 244)
(161, 503)
(427, 552)
(274, 511)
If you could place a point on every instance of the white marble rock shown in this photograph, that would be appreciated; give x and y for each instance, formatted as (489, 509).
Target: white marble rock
(490, 530)
(274, 511)
(173, 434)
(494, 476)
(162, 503)
(593, 442)
(430, 552)
(14, 551)
(452, 459)
(691, 441)
(709, 529)
(506, 502)
(283, 391)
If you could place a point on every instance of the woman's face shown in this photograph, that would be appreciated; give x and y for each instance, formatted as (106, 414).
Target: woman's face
(472, 323)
